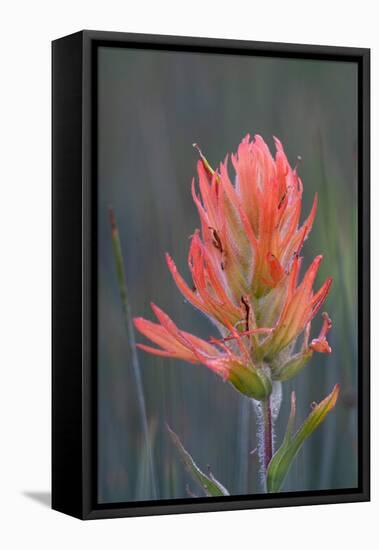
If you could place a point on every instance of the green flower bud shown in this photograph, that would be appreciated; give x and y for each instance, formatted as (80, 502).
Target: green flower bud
(252, 382)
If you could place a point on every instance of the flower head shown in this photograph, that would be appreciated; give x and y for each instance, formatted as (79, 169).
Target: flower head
(245, 268)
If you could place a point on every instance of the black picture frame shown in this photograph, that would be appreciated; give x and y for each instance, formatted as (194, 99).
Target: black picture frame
(74, 131)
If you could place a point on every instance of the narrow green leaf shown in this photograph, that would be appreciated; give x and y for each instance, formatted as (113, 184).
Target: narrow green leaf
(291, 420)
(281, 461)
(209, 484)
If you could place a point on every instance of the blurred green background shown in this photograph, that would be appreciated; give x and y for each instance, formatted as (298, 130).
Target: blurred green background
(152, 106)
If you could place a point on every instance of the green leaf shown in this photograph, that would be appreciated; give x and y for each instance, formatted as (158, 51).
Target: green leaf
(209, 484)
(281, 461)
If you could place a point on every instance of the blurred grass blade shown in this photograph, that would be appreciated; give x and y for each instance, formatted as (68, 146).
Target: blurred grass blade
(142, 476)
(119, 263)
(209, 484)
(284, 456)
(243, 444)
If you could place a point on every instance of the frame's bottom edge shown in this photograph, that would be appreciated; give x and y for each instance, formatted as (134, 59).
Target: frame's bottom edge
(169, 509)
(77, 514)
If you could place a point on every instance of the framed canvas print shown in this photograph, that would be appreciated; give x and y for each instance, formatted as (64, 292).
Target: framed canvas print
(210, 275)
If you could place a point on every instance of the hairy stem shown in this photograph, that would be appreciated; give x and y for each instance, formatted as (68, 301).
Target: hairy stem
(267, 412)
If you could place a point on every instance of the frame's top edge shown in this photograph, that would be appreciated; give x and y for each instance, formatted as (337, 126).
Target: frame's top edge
(71, 35)
(231, 44)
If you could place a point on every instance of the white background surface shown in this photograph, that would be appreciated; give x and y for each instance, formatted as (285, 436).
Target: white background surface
(26, 31)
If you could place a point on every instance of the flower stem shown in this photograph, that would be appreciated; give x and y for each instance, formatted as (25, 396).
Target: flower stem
(267, 411)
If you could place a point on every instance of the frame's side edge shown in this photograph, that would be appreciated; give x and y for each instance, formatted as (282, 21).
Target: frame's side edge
(89, 236)
(67, 468)
(365, 266)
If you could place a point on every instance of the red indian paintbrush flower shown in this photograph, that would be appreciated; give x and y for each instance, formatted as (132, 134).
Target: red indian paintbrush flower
(245, 268)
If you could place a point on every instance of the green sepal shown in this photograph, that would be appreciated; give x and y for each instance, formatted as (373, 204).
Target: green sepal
(281, 461)
(252, 382)
(292, 367)
(208, 483)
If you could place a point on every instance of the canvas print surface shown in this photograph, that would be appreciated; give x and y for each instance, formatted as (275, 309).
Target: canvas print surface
(227, 275)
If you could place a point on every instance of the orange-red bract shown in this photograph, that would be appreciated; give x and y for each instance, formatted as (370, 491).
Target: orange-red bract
(245, 264)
